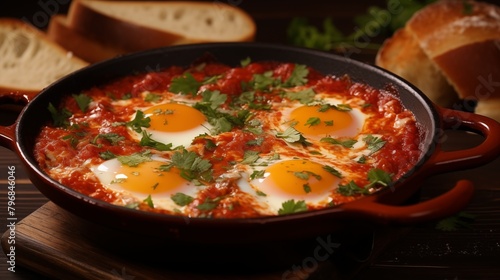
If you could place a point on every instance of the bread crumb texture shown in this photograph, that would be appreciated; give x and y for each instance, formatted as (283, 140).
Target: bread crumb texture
(29, 61)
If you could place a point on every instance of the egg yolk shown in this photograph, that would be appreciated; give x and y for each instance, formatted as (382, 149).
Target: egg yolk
(298, 179)
(148, 178)
(311, 120)
(174, 117)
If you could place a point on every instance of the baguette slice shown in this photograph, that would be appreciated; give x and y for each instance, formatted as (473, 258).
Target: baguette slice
(139, 25)
(29, 60)
(81, 45)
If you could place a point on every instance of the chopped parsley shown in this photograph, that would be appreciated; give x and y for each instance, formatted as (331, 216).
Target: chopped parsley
(61, 117)
(257, 174)
(147, 141)
(305, 175)
(305, 96)
(312, 121)
(83, 101)
(290, 206)
(298, 76)
(374, 143)
(191, 165)
(135, 159)
(348, 143)
(291, 135)
(332, 171)
(375, 176)
(245, 62)
(209, 204)
(181, 199)
(107, 155)
(250, 157)
(185, 84)
(139, 121)
(149, 201)
(113, 138)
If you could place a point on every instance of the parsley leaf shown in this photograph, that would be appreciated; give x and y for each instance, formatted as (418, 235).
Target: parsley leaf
(374, 143)
(186, 84)
(379, 176)
(250, 157)
(113, 138)
(245, 62)
(304, 96)
(181, 199)
(213, 98)
(60, 118)
(291, 135)
(351, 189)
(290, 206)
(298, 76)
(192, 166)
(305, 175)
(209, 204)
(139, 121)
(312, 121)
(147, 141)
(83, 101)
(107, 155)
(332, 171)
(349, 143)
(149, 201)
(257, 174)
(135, 159)
(263, 81)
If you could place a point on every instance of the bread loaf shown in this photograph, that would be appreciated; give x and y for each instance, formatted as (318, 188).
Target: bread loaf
(139, 25)
(461, 39)
(29, 60)
(81, 45)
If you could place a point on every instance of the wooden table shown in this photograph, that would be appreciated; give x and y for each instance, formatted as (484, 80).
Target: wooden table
(397, 252)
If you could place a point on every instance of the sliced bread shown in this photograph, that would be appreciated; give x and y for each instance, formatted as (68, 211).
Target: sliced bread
(29, 60)
(139, 25)
(81, 45)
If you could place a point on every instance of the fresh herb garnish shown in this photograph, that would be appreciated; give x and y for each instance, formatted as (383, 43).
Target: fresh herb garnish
(250, 157)
(82, 100)
(291, 135)
(135, 159)
(348, 143)
(332, 171)
(379, 176)
(139, 121)
(312, 121)
(113, 138)
(147, 141)
(298, 77)
(185, 84)
(374, 143)
(290, 206)
(191, 165)
(304, 96)
(351, 189)
(107, 155)
(149, 201)
(181, 199)
(60, 117)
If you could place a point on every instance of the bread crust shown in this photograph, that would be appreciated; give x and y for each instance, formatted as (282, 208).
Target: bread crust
(462, 40)
(402, 55)
(81, 45)
(132, 36)
(449, 24)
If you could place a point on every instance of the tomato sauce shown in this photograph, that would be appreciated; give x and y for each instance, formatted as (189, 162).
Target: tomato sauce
(101, 131)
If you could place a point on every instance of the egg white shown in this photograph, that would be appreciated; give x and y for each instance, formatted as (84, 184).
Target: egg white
(108, 173)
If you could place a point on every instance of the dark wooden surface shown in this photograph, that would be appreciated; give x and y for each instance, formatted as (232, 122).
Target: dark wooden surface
(398, 252)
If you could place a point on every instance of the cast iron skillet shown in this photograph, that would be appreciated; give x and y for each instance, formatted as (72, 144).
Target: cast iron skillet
(380, 207)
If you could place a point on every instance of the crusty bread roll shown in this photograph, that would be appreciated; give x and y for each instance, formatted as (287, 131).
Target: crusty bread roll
(462, 40)
(402, 55)
(140, 25)
(29, 61)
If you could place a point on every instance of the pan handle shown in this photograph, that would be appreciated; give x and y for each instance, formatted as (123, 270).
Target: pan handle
(7, 133)
(439, 207)
(486, 151)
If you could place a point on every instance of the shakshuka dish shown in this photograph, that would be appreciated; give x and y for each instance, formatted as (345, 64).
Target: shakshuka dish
(213, 140)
